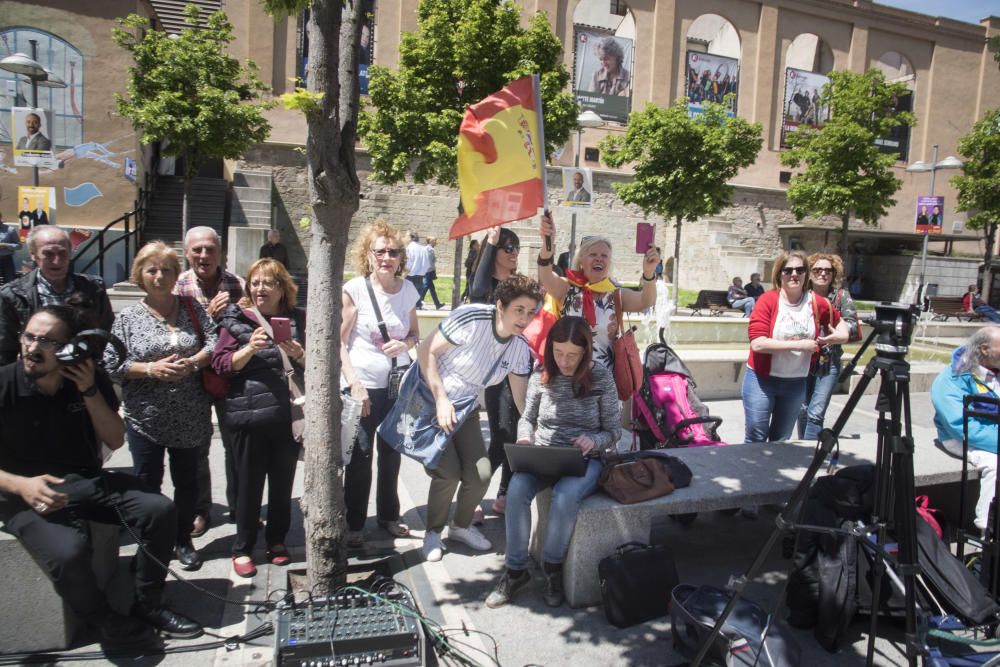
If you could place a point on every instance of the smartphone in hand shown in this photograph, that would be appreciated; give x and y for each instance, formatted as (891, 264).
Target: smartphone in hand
(282, 328)
(645, 236)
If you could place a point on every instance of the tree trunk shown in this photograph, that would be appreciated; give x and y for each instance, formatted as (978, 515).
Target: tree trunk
(677, 256)
(186, 199)
(845, 223)
(456, 288)
(991, 233)
(334, 34)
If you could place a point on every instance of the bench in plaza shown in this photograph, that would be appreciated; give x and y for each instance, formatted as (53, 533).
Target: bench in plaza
(944, 307)
(724, 478)
(714, 301)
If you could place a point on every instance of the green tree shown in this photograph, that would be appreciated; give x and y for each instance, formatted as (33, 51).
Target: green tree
(979, 185)
(330, 105)
(462, 51)
(188, 90)
(682, 162)
(843, 170)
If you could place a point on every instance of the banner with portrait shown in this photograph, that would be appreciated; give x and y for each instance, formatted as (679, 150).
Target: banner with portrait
(578, 187)
(603, 74)
(929, 215)
(709, 79)
(36, 206)
(367, 45)
(897, 140)
(802, 107)
(30, 132)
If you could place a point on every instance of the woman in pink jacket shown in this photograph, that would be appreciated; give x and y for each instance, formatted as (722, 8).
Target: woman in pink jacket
(788, 329)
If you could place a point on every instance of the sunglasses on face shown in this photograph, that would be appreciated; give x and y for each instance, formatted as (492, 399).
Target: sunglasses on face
(820, 270)
(382, 252)
(797, 270)
(510, 248)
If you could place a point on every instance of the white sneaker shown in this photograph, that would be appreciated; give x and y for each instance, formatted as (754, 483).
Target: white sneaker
(469, 536)
(433, 548)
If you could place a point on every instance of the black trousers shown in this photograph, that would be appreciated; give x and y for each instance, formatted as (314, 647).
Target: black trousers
(147, 465)
(204, 504)
(59, 542)
(264, 453)
(502, 414)
(358, 475)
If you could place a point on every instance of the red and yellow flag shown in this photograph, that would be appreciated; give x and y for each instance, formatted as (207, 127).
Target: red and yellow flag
(501, 155)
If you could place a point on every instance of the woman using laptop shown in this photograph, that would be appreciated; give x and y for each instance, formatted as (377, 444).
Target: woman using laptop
(571, 402)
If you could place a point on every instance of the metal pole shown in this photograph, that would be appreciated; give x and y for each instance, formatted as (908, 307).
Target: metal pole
(34, 102)
(572, 228)
(923, 254)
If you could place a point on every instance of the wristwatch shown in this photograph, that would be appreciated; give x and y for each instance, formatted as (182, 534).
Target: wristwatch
(87, 393)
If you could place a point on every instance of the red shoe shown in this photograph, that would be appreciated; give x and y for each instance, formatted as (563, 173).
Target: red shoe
(245, 569)
(278, 555)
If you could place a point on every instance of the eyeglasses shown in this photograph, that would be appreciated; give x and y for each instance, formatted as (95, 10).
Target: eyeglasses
(391, 252)
(510, 248)
(42, 341)
(266, 284)
(797, 270)
(821, 270)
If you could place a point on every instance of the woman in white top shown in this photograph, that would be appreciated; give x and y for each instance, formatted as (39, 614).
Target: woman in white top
(588, 291)
(366, 360)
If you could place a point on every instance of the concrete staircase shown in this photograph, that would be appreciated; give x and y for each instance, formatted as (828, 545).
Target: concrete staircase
(250, 218)
(729, 257)
(208, 207)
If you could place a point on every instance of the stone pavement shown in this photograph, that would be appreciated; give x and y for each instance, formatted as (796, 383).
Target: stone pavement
(526, 632)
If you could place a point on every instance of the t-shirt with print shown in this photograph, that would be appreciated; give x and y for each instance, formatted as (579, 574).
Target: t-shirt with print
(794, 322)
(464, 368)
(364, 345)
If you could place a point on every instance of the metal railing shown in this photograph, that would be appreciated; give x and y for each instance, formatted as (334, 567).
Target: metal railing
(132, 221)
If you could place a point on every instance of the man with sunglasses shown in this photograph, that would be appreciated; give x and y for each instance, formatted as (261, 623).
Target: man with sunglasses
(418, 263)
(55, 418)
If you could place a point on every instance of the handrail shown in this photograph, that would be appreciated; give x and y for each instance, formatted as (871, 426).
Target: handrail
(138, 212)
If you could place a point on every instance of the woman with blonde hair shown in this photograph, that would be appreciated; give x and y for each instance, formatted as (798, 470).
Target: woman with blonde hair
(379, 328)
(258, 406)
(168, 338)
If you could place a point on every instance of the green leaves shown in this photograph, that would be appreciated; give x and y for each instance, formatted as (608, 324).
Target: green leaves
(979, 185)
(462, 51)
(188, 89)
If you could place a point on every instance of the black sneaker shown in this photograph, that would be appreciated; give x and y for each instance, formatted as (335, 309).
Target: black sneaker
(167, 622)
(554, 595)
(187, 557)
(119, 631)
(506, 587)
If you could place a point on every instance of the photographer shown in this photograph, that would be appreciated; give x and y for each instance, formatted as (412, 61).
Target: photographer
(973, 370)
(55, 418)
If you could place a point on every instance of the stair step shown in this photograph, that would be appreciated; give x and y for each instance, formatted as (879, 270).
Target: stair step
(252, 179)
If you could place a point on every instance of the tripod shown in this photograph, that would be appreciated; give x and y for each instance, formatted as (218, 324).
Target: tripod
(894, 492)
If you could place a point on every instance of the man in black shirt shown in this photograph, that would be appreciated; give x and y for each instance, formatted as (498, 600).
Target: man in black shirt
(274, 248)
(55, 418)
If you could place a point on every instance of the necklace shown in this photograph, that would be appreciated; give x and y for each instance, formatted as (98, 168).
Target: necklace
(165, 320)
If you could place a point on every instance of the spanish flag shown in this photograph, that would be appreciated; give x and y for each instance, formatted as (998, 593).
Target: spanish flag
(501, 157)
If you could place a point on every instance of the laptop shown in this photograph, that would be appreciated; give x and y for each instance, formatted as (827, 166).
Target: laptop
(546, 461)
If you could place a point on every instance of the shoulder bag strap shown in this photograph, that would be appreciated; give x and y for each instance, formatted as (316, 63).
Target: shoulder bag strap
(617, 300)
(195, 322)
(378, 316)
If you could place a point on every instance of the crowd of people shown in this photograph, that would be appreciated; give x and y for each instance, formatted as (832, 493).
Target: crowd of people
(204, 338)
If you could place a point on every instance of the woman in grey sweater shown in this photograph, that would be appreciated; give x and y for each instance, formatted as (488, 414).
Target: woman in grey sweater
(571, 402)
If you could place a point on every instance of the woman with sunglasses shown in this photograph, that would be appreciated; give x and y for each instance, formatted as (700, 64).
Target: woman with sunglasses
(788, 326)
(826, 272)
(366, 361)
(495, 262)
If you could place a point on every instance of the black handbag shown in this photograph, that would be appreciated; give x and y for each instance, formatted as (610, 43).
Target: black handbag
(636, 582)
(396, 372)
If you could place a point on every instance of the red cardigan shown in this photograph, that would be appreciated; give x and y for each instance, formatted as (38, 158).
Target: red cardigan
(765, 311)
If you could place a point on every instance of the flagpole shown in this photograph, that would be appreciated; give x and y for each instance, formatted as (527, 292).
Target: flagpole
(537, 90)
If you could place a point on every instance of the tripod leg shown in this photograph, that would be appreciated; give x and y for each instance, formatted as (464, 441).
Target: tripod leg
(906, 526)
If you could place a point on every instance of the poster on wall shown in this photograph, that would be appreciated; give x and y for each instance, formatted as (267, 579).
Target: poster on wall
(603, 74)
(37, 207)
(709, 79)
(578, 186)
(802, 107)
(131, 171)
(30, 132)
(897, 141)
(929, 215)
(367, 45)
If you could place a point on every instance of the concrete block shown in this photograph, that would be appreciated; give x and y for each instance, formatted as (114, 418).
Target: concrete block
(33, 617)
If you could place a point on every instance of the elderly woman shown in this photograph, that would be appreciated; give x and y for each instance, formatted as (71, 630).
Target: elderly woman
(379, 297)
(613, 77)
(496, 262)
(788, 327)
(827, 272)
(168, 338)
(587, 289)
(258, 407)
(477, 346)
(571, 402)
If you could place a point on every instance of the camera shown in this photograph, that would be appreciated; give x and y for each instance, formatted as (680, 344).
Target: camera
(90, 344)
(893, 324)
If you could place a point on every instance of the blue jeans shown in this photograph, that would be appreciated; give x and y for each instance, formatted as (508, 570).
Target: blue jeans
(147, 465)
(988, 312)
(567, 494)
(418, 282)
(818, 393)
(770, 406)
(746, 303)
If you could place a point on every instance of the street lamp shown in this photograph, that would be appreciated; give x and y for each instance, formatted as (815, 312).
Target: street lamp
(586, 119)
(919, 167)
(29, 67)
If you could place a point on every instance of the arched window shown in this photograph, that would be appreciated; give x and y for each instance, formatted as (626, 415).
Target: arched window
(713, 62)
(807, 61)
(64, 61)
(604, 56)
(897, 69)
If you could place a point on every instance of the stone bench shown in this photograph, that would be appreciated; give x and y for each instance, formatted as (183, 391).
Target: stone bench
(33, 617)
(724, 478)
